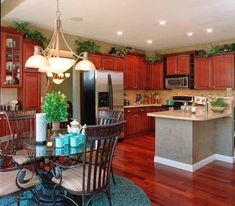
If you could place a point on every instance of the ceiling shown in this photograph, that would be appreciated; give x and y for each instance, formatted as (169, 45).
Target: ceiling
(138, 19)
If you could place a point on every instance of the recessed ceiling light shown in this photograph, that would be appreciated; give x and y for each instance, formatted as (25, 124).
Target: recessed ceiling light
(149, 41)
(163, 22)
(190, 33)
(119, 33)
(76, 19)
(209, 30)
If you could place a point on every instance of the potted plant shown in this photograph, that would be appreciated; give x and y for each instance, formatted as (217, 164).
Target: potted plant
(55, 107)
(218, 105)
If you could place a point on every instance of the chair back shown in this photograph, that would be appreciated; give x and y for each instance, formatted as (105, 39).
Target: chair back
(100, 141)
(22, 122)
(108, 116)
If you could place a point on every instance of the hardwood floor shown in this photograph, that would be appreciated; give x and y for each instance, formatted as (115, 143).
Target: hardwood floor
(212, 185)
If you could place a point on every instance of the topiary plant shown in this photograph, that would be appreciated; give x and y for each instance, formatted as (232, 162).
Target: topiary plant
(87, 46)
(213, 50)
(55, 106)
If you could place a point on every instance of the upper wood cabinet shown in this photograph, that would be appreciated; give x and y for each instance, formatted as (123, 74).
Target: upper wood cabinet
(119, 64)
(223, 70)
(216, 72)
(203, 76)
(157, 75)
(107, 63)
(171, 65)
(130, 72)
(178, 64)
(11, 58)
(95, 59)
(30, 94)
(144, 76)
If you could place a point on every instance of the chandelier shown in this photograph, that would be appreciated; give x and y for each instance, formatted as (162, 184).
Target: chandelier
(51, 61)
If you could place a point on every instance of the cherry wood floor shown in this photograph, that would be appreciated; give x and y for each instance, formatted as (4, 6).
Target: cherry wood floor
(212, 185)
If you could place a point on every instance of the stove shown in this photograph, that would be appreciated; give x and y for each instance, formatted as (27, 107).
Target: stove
(178, 102)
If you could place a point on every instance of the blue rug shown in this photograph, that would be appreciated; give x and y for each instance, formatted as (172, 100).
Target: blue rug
(124, 193)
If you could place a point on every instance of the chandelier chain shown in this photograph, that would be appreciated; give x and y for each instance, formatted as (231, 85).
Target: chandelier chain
(58, 9)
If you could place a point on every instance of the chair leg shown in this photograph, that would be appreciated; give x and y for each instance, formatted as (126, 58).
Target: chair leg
(107, 192)
(114, 182)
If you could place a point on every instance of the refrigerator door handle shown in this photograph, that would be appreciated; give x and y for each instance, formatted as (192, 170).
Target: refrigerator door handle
(110, 90)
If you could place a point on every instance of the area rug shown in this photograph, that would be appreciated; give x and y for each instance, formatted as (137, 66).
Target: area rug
(123, 193)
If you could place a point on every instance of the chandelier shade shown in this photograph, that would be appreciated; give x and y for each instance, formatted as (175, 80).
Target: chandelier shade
(60, 65)
(85, 65)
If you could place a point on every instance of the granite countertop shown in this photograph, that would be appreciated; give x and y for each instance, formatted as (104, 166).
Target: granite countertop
(184, 115)
(142, 105)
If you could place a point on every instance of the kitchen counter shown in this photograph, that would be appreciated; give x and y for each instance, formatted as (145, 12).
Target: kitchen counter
(186, 115)
(143, 105)
(190, 141)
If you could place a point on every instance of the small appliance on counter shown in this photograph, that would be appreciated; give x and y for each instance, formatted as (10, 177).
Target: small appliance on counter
(177, 101)
(138, 99)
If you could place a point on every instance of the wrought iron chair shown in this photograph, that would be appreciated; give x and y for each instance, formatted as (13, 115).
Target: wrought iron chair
(109, 117)
(14, 180)
(22, 126)
(90, 177)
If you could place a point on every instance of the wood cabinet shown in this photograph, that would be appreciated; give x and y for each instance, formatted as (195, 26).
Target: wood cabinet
(223, 71)
(29, 95)
(178, 64)
(96, 60)
(216, 72)
(119, 64)
(137, 120)
(107, 63)
(203, 78)
(157, 76)
(11, 58)
(171, 63)
(183, 64)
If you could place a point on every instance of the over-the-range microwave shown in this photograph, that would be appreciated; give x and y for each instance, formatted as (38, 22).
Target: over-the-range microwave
(176, 82)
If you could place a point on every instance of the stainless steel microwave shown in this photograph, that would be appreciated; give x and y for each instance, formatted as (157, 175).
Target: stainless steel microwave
(176, 82)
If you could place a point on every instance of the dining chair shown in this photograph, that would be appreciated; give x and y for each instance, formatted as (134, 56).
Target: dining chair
(22, 125)
(109, 117)
(14, 180)
(91, 177)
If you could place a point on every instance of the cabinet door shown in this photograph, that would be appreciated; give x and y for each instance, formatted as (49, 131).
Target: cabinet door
(203, 77)
(171, 62)
(223, 70)
(107, 63)
(142, 124)
(130, 76)
(96, 60)
(30, 94)
(119, 64)
(157, 76)
(144, 75)
(130, 126)
(183, 64)
(11, 60)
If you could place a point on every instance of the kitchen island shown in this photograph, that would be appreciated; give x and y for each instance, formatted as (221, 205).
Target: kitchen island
(190, 141)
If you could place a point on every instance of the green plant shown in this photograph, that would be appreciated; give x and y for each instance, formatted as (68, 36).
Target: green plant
(232, 47)
(55, 106)
(154, 58)
(29, 32)
(213, 50)
(219, 102)
(120, 51)
(86, 46)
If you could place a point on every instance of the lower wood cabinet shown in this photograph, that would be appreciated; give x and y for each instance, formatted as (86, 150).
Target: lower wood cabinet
(30, 94)
(137, 120)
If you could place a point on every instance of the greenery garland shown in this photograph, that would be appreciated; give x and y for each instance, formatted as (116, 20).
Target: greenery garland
(86, 46)
(154, 58)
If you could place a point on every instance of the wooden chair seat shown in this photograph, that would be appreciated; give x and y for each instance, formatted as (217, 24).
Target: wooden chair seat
(8, 182)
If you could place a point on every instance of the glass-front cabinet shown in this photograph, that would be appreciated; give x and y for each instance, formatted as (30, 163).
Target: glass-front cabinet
(11, 59)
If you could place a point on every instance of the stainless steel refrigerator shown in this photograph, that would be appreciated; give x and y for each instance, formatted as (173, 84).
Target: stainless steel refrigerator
(100, 90)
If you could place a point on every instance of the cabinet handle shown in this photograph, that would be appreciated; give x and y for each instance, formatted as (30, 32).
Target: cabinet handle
(128, 111)
(141, 110)
(214, 86)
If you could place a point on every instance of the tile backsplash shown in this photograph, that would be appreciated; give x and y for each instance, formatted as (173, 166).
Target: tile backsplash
(7, 94)
(168, 94)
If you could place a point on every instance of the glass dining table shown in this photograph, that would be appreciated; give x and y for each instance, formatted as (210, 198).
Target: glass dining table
(42, 157)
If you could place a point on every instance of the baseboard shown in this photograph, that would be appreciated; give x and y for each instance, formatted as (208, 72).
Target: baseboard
(196, 166)
(224, 158)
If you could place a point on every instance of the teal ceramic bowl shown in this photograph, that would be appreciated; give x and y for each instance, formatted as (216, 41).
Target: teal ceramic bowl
(66, 139)
(74, 141)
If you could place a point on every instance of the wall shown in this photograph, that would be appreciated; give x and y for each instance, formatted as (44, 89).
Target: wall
(168, 94)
